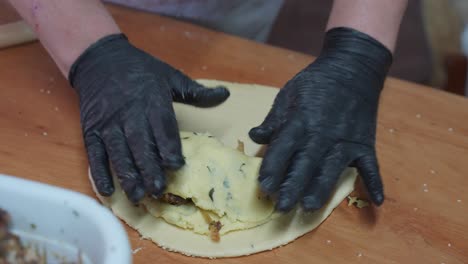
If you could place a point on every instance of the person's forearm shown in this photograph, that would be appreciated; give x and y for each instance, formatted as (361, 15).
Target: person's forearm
(66, 27)
(378, 19)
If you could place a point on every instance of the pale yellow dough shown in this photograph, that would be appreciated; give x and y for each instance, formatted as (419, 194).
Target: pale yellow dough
(249, 223)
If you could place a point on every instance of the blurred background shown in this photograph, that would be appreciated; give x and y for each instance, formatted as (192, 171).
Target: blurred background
(429, 49)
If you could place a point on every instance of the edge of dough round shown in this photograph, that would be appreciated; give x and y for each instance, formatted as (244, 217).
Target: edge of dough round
(276, 233)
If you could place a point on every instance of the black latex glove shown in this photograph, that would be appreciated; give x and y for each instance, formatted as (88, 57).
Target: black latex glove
(127, 115)
(324, 120)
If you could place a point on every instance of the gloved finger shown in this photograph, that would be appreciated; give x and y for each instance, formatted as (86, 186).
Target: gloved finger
(165, 130)
(263, 133)
(302, 166)
(188, 91)
(123, 165)
(99, 165)
(320, 186)
(145, 153)
(368, 168)
(278, 155)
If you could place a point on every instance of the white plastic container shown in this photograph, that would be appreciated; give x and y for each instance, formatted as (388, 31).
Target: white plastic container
(64, 223)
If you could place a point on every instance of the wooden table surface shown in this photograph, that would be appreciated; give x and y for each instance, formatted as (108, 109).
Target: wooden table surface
(422, 144)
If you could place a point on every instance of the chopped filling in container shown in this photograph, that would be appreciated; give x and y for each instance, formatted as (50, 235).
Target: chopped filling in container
(13, 251)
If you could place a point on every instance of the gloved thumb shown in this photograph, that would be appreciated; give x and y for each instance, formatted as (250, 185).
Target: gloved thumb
(187, 91)
(263, 133)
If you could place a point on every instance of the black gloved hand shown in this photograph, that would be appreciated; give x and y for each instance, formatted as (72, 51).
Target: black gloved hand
(127, 115)
(323, 120)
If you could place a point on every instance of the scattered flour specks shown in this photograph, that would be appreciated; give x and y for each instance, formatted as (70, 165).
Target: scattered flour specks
(136, 250)
(425, 189)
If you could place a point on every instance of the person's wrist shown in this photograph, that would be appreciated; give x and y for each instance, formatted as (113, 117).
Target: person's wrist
(359, 48)
(82, 45)
(97, 52)
(352, 56)
(67, 51)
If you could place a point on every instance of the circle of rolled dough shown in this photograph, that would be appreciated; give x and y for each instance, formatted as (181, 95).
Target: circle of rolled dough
(230, 122)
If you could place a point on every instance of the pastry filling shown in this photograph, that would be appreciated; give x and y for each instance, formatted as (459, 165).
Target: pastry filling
(216, 192)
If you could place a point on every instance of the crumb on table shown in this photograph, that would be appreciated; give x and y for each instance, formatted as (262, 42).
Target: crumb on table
(358, 202)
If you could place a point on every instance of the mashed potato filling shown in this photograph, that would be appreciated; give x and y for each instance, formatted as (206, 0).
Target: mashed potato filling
(217, 186)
